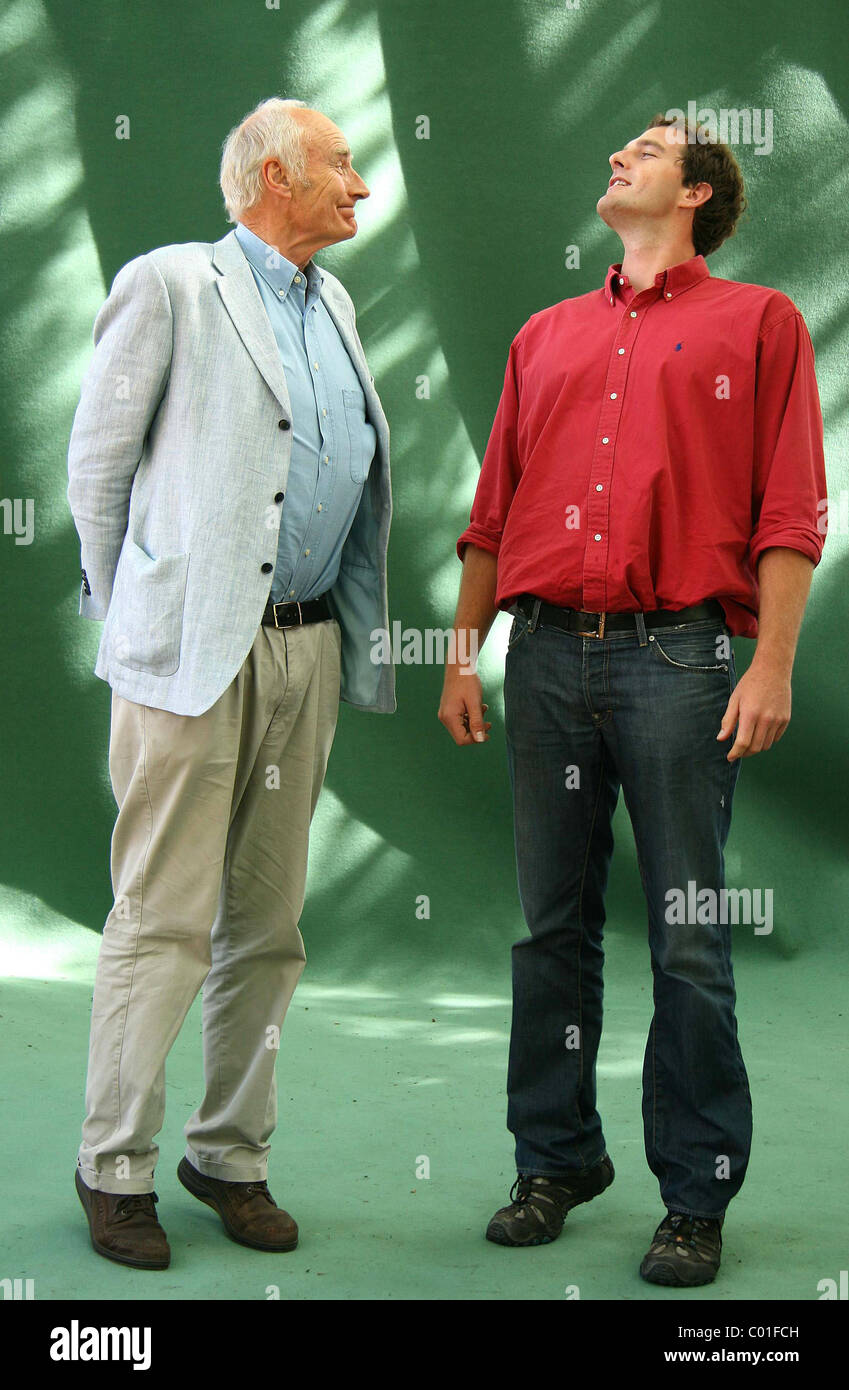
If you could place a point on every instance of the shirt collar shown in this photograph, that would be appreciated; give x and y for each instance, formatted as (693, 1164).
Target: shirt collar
(671, 282)
(273, 266)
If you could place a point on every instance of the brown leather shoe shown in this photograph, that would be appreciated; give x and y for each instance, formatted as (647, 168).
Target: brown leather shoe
(249, 1212)
(125, 1227)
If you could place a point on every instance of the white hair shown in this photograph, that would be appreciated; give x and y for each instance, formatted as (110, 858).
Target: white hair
(267, 132)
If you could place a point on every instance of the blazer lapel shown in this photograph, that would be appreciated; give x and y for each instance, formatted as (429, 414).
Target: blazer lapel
(238, 290)
(242, 300)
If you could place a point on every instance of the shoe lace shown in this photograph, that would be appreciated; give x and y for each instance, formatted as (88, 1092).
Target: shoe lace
(133, 1202)
(256, 1188)
(683, 1229)
(524, 1189)
(521, 1190)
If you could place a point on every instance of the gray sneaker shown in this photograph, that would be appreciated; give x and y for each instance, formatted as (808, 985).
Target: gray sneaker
(685, 1250)
(539, 1207)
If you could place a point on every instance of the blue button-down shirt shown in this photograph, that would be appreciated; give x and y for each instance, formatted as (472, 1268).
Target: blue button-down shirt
(333, 444)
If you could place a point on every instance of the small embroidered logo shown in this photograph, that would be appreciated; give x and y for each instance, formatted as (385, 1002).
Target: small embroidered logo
(678, 347)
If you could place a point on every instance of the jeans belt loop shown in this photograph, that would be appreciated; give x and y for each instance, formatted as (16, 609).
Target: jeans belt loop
(641, 629)
(534, 622)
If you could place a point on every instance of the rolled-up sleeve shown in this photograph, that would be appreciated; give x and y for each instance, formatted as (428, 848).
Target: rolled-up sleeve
(789, 483)
(500, 470)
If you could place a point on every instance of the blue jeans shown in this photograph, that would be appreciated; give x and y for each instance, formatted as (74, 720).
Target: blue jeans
(583, 717)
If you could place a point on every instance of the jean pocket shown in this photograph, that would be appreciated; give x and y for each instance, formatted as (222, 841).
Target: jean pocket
(695, 649)
(521, 625)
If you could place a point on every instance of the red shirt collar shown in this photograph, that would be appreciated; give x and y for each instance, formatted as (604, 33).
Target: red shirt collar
(672, 281)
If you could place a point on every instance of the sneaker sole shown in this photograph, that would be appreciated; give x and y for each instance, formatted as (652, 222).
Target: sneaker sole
(187, 1178)
(82, 1193)
(669, 1276)
(498, 1236)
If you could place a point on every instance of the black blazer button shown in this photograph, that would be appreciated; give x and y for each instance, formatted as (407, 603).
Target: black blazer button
(278, 496)
(283, 425)
(266, 568)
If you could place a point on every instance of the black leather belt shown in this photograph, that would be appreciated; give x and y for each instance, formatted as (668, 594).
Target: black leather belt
(598, 624)
(314, 610)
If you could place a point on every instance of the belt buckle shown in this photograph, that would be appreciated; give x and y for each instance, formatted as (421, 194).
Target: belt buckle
(600, 633)
(280, 626)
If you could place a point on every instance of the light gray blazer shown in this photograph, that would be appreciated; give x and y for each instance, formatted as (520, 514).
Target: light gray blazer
(175, 458)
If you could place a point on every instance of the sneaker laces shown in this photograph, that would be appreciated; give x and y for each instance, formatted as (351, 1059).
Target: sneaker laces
(679, 1228)
(524, 1189)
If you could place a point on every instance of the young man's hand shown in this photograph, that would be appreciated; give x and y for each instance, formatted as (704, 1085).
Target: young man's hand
(760, 701)
(760, 707)
(461, 708)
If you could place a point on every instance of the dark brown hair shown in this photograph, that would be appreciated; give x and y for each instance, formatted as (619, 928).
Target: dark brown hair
(711, 163)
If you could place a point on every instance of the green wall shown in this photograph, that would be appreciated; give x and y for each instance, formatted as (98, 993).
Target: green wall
(462, 239)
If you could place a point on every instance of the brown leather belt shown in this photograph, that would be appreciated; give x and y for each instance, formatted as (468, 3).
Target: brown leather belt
(599, 624)
(314, 610)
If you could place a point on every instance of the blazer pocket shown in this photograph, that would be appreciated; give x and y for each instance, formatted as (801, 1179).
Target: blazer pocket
(147, 610)
(359, 432)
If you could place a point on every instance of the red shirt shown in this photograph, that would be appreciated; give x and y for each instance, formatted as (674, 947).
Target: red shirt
(647, 447)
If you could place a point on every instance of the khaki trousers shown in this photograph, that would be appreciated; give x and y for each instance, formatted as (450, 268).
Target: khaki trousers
(209, 863)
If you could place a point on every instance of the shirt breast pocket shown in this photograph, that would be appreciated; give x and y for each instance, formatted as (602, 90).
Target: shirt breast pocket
(361, 435)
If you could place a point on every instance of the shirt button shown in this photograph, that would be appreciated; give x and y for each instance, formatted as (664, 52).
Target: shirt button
(599, 487)
(318, 508)
(633, 313)
(278, 496)
(306, 552)
(324, 412)
(621, 279)
(597, 536)
(291, 593)
(315, 364)
(266, 568)
(621, 350)
(605, 440)
(326, 458)
(668, 295)
(613, 395)
(281, 293)
(297, 279)
(283, 425)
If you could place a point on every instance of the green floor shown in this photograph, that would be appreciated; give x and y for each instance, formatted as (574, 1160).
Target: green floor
(370, 1079)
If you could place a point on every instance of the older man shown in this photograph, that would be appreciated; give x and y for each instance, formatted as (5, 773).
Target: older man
(229, 480)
